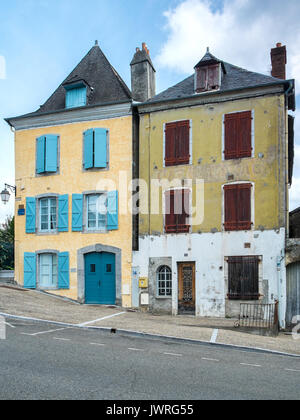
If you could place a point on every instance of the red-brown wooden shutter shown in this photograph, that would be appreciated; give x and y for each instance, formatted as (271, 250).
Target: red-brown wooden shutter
(244, 207)
(170, 217)
(201, 81)
(231, 128)
(230, 207)
(170, 146)
(244, 134)
(183, 197)
(214, 76)
(238, 135)
(183, 143)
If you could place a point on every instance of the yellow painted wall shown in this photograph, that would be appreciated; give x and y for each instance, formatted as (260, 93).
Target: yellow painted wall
(71, 180)
(207, 125)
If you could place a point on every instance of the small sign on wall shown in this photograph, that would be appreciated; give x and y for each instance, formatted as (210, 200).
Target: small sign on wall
(21, 212)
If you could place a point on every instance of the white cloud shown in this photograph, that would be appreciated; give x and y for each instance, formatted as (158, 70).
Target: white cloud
(242, 33)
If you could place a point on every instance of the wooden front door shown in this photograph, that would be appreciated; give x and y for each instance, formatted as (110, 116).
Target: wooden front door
(187, 289)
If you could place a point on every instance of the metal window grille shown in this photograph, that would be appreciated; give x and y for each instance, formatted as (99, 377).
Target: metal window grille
(164, 281)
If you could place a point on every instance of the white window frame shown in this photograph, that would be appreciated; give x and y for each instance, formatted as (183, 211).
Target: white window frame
(53, 255)
(49, 230)
(96, 228)
(167, 270)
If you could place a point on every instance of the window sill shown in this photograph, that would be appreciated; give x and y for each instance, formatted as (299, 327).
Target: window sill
(163, 297)
(54, 232)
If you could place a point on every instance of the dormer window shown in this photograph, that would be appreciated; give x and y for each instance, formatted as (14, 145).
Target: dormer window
(208, 74)
(76, 95)
(208, 78)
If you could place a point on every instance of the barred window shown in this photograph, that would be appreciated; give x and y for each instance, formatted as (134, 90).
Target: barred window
(164, 281)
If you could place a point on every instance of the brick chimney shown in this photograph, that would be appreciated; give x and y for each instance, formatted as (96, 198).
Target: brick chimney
(143, 81)
(279, 61)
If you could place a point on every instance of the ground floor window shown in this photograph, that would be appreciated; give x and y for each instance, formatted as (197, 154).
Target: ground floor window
(164, 281)
(48, 271)
(243, 278)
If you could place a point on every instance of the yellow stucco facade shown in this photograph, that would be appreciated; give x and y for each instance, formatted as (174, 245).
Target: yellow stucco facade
(266, 169)
(73, 179)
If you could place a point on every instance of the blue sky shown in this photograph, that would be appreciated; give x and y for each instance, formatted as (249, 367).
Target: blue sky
(43, 40)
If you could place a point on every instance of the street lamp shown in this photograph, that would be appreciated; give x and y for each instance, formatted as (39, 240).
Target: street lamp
(5, 195)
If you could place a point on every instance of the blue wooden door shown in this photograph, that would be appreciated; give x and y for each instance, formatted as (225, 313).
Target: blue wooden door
(100, 279)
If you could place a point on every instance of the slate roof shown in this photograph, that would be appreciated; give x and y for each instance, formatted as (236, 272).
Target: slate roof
(97, 73)
(234, 78)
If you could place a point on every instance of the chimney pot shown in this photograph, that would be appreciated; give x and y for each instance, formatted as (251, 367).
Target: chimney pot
(144, 45)
(278, 45)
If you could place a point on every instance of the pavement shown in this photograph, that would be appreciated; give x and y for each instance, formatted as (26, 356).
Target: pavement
(41, 361)
(18, 302)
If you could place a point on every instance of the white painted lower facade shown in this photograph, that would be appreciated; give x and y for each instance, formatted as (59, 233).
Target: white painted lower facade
(209, 251)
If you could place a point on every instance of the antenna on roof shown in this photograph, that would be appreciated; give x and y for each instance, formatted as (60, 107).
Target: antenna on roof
(96, 43)
(207, 50)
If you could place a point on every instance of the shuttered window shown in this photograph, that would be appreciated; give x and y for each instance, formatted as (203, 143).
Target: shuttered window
(47, 154)
(177, 144)
(208, 78)
(238, 127)
(177, 211)
(76, 97)
(237, 207)
(243, 278)
(95, 148)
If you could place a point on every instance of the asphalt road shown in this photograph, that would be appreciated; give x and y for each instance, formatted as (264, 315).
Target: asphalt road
(47, 362)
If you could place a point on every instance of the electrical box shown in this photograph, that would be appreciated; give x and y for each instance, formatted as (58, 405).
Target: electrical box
(143, 283)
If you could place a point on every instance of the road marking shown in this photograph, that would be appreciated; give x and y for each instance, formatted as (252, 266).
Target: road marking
(249, 364)
(31, 335)
(173, 354)
(214, 336)
(7, 323)
(210, 360)
(100, 319)
(292, 370)
(61, 339)
(97, 344)
(136, 349)
(47, 332)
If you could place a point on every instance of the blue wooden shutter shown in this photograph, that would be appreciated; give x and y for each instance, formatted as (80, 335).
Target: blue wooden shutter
(112, 211)
(40, 154)
(63, 213)
(30, 214)
(51, 153)
(29, 270)
(77, 212)
(76, 97)
(88, 149)
(63, 271)
(100, 147)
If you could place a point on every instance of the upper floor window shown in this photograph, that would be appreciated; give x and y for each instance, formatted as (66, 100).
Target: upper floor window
(48, 214)
(208, 78)
(96, 212)
(76, 95)
(243, 278)
(238, 135)
(177, 209)
(237, 203)
(47, 154)
(164, 281)
(95, 148)
(177, 143)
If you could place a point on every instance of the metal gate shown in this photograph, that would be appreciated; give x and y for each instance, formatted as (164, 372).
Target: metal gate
(293, 293)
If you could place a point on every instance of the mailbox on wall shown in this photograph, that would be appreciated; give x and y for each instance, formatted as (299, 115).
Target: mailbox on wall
(143, 283)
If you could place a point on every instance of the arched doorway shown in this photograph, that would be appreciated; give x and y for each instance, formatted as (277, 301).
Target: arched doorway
(100, 278)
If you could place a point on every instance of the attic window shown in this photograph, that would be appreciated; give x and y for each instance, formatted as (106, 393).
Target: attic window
(76, 95)
(208, 78)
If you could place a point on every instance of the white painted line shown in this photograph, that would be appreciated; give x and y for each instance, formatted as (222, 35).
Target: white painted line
(100, 319)
(292, 370)
(173, 354)
(97, 344)
(214, 336)
(61, 339)
(50, 331)
(249, 364)
(136, 349)
(210, 360)
(31, 335)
